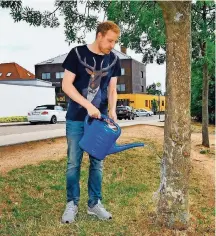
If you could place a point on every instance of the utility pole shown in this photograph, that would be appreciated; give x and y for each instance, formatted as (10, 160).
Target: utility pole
(158, 85)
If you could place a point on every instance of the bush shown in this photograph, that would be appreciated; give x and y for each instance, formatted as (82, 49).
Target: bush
(13, 119)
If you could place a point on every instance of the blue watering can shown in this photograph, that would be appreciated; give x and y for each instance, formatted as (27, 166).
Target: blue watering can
(99, 139)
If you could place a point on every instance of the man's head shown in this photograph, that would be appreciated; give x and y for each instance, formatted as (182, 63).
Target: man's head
(107, 35)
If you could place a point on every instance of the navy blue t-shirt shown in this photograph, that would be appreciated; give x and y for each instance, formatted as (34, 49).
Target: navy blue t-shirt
(93, 74)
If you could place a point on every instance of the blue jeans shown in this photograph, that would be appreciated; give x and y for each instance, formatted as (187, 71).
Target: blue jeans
(74, 132)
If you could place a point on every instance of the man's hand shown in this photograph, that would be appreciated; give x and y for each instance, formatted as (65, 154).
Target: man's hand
(93, 112)
(112, 115)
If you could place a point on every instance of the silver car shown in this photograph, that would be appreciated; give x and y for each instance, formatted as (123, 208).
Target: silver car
(143, 112)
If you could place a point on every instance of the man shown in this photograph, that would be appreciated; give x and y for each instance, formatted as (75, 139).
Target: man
(90, 80)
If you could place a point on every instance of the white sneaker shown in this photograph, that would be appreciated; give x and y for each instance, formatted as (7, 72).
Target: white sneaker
(99, 211)
(70, 212)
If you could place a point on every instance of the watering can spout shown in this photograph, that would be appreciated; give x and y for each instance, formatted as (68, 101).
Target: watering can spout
(118, 148)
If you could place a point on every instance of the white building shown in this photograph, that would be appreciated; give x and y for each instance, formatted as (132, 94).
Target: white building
(18, 97)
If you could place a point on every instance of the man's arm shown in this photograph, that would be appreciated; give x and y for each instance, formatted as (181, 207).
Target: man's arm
(71, 91)
(112, 98)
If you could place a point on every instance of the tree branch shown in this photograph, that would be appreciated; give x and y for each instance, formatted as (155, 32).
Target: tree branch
(106, 10)
(60, 3)
(211, 20)
(85, 8)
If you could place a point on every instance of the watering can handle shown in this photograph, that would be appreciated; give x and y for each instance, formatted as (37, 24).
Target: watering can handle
(104, 117)
(86, 124)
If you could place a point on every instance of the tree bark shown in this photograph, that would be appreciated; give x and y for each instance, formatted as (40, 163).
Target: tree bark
(205, 118)
(172, 208)
(205, 86)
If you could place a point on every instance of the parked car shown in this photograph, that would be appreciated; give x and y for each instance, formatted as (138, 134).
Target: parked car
(47, 113)
(143, 112)
(136, 111)
(150, 113)
(125, 112)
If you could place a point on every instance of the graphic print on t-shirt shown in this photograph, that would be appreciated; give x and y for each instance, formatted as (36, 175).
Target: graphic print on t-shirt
(93, 92)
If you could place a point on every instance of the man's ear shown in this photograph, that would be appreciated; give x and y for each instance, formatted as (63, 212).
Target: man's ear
(99, 35)
(89, 71)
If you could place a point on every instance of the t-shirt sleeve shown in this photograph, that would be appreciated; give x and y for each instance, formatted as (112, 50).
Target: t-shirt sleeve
(117, 69)
(70, 63)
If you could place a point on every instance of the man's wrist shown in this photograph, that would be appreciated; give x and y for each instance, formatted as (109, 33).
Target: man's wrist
(88, 105)
(113, 109)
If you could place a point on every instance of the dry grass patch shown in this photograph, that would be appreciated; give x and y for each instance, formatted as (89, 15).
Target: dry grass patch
(197, 127)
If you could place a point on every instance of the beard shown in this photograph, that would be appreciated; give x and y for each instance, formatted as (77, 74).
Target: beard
(105, 50)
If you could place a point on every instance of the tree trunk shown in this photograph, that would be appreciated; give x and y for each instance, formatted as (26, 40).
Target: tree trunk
(205, 118)
(172, 208)
(205, 88)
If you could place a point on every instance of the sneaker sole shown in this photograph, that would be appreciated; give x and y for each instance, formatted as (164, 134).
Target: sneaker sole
(65, 223)
(62, 222)
(94, 214)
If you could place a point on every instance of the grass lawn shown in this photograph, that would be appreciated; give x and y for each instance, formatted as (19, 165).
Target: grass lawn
(32, 199)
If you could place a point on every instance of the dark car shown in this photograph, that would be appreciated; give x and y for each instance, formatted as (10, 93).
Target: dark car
(125, 112)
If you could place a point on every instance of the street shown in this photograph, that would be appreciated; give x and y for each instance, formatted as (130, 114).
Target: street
(28, 128)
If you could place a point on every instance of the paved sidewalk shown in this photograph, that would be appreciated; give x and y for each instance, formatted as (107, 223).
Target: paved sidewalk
(14, 123)
(12, 139)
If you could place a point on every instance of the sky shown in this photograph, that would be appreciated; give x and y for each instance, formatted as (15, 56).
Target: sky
(28, 45)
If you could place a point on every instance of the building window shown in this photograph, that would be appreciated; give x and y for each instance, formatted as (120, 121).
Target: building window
(9, 74)
(0, 74)
(59, 75)
(162, 103)
(142, 87)
(45, 75)
(122, 71)
(150, 103)
(146, 103)
(142, 74)
(121, 87)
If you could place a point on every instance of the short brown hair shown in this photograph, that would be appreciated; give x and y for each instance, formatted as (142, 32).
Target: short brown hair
(107, 25)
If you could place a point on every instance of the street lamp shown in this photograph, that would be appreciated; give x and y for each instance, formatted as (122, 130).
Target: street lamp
(158, 85)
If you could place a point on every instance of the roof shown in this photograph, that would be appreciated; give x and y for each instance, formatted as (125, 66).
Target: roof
(31, 80)
(12, 70)
(60, 59)
(121, 55)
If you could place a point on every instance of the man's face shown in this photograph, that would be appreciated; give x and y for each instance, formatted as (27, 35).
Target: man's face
(107, 42)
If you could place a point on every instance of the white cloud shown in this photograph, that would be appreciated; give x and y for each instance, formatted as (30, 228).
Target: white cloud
(28, 45)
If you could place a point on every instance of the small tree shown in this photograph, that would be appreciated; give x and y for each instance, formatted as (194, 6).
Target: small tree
(154, 106)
